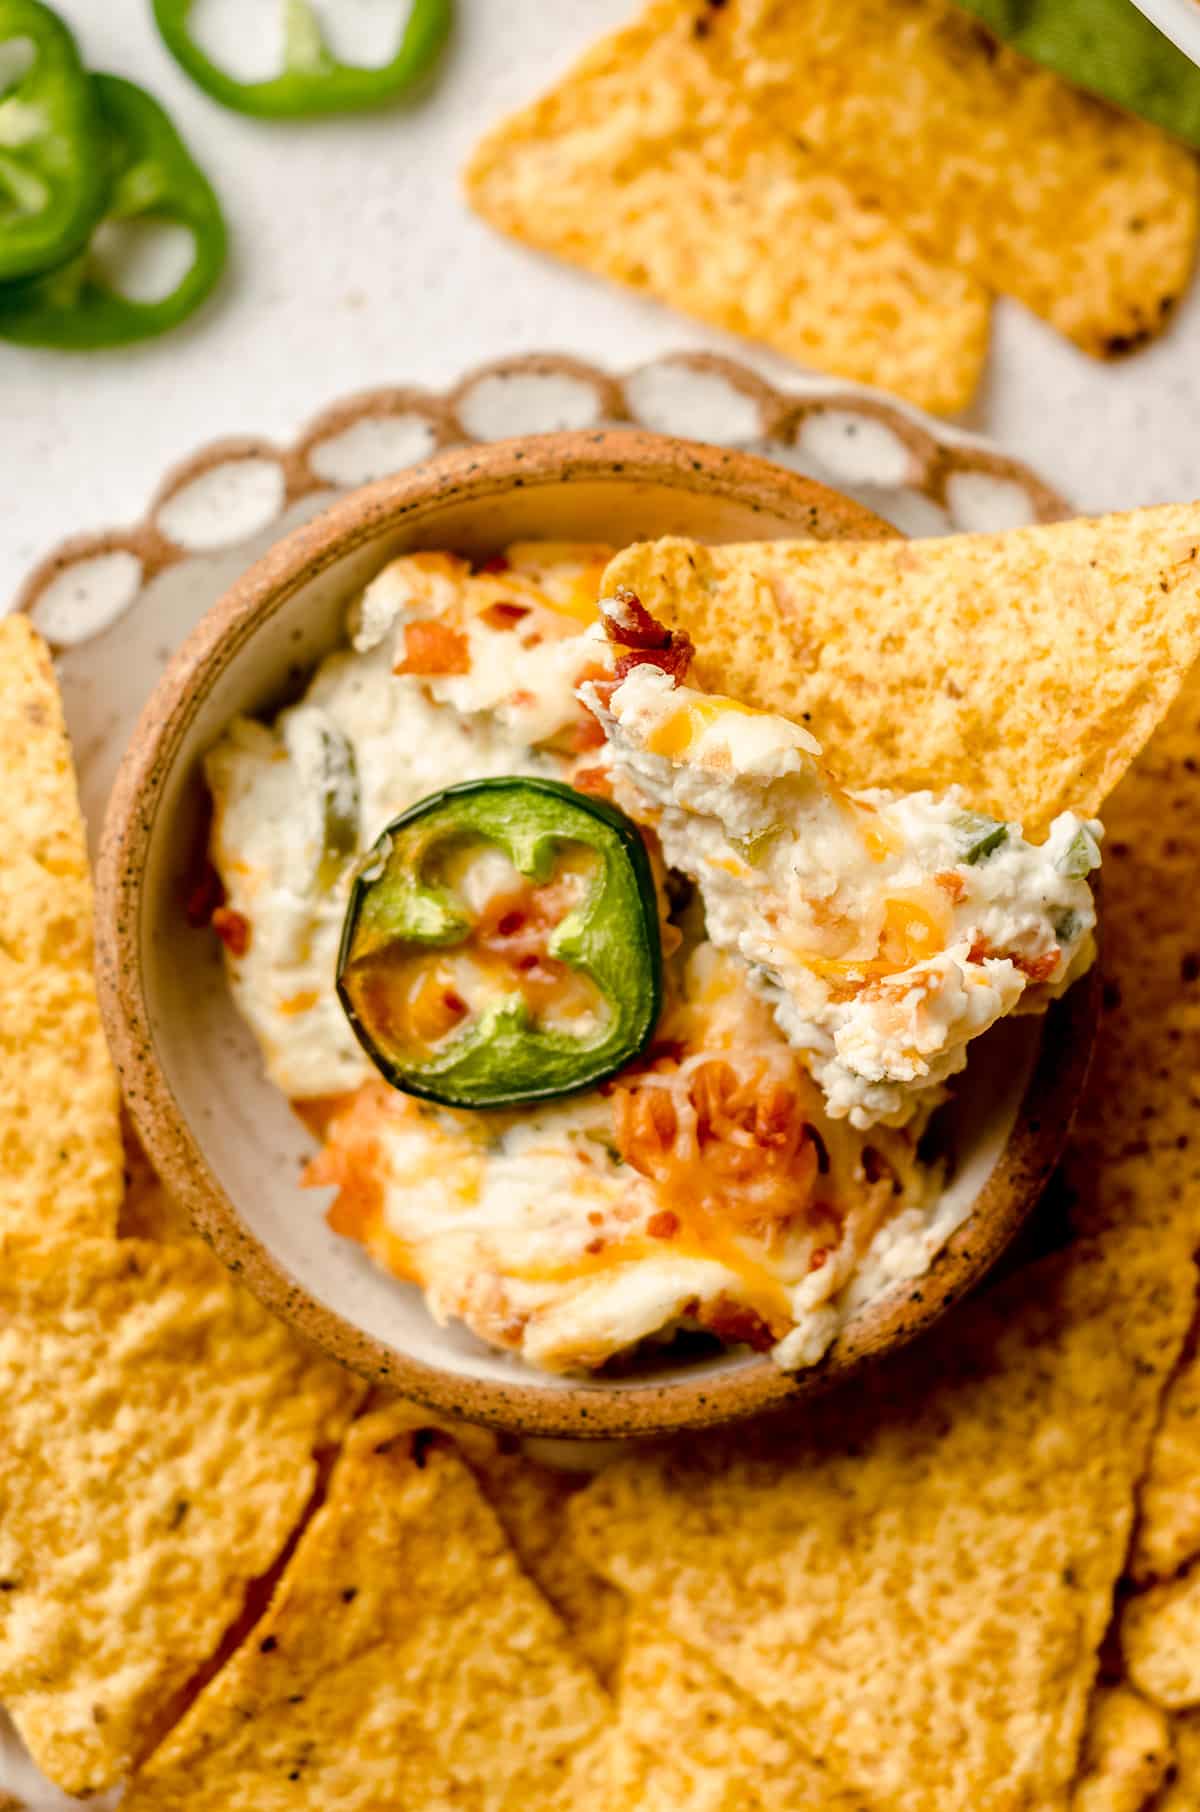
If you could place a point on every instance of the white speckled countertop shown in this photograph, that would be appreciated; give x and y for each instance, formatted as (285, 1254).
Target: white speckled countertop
(356, 264)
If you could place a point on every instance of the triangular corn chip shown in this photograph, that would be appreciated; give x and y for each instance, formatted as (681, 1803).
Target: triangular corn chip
(687, 1738)
(1001, 168)
(915, 1579)
(531, 1503)
(60, 1145)
(1160, 1640)
(406, 1661)
(1168, 1531)
(1126, 1753)
(644, 166)
(159, 1435)
(1029, 666)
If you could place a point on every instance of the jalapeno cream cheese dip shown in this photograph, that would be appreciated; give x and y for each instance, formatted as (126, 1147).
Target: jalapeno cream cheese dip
(638, 1041)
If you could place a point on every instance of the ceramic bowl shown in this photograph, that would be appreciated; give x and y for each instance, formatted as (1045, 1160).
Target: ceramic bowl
(226, 1143)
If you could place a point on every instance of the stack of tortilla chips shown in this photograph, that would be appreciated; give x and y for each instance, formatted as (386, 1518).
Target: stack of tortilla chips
(969, 1581)
(849, 181)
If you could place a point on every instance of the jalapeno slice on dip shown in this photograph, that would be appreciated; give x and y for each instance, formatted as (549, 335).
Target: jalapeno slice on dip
(501, 945)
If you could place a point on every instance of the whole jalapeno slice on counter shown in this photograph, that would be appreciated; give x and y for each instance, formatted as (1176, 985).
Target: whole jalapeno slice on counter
(312, 80)
(53, 162)
(153, 178)
(501, 945)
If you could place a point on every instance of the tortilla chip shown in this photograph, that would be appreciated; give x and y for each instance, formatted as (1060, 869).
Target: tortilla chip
(1160, 1639)
(158, 1434)
(60, 1148)
(1126, 1752)
(1168, 1531)
(915, 1578)
(1143, 1103)
(645, 167)
(531, 1502)
(405, 1661)
(147, 1210)
(1183, 1795)
(687, 1738)
(1030, 666)
(1000, 168)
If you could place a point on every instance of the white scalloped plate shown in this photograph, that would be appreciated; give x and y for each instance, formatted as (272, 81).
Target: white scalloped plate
(115, 605)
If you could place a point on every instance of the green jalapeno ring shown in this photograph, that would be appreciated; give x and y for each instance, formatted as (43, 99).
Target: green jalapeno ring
(500, 1059)
(53, 164)
(155, 178)
(312, 81)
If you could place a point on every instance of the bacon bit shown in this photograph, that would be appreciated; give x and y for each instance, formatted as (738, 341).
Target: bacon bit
(206, 895)
(663, 1225)
(233, 929)
(454, 1002)
(629, 625)
(597, 781)
(503, 616)
(952, 883)
(735, 1323)
(431, 647)
(819, 1258)
(595, 1218)
(743, 1153)
(585, 736)
(594, 1247)
(1035, 968)
(495, 563)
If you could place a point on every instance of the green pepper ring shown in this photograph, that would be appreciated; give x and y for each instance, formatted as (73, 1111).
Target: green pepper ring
(630, 964)
(326, 87)
(68, 156)
(154, 177)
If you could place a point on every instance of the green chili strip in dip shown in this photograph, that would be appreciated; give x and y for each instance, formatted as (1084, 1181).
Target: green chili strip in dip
(588, 898)
(312, 81)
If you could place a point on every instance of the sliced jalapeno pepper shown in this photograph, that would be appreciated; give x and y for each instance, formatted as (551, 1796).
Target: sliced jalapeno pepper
(154, 178)
(53, 161)
(312, 80)
(476, 993)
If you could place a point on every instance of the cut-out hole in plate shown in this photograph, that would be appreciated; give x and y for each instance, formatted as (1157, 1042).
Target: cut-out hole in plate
(527, 402)
(988, 502)
(88, 595)
(856, 448)
(699, 405)
(17, 58)
(371, 448)
(246, 38)
(228, 503)
(142, 260)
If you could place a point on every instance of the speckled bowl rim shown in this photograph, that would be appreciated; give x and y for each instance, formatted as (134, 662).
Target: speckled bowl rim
(596, 1410)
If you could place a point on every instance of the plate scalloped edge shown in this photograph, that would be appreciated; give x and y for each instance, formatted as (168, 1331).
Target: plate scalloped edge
(924, 477)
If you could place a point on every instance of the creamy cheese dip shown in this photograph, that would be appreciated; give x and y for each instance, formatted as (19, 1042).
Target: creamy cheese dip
(827, 959)
(887, 930)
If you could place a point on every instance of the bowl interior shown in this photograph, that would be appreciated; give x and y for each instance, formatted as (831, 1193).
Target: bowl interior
(232, 1148)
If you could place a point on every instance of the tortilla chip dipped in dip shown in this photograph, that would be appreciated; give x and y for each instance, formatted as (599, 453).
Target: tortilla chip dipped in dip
(618, 1018)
